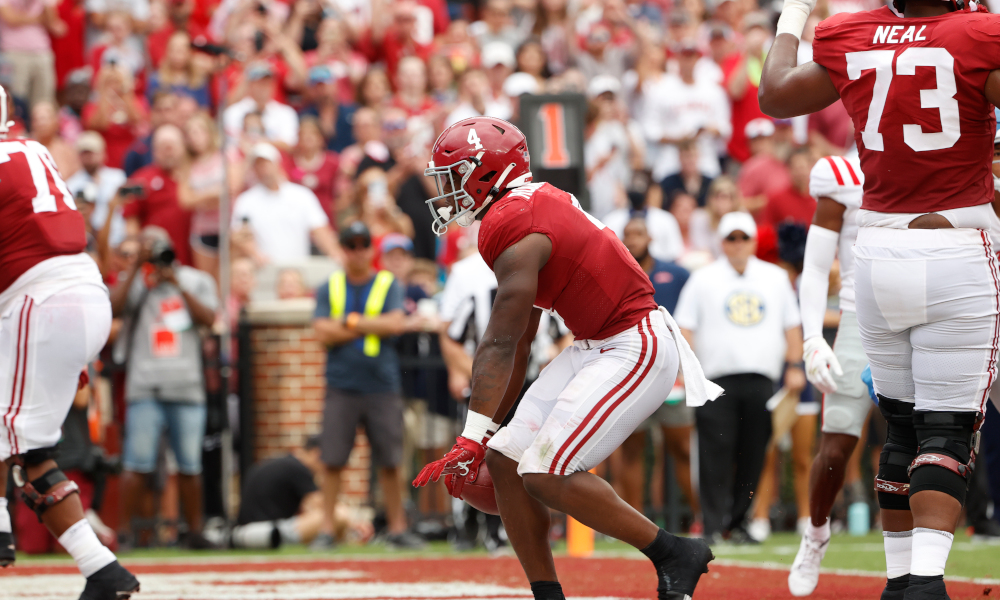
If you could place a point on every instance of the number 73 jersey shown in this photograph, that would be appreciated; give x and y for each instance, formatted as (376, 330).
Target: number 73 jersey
(38, 217)
(915, 91)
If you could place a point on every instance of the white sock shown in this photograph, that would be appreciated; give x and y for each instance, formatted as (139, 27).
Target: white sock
(898, 549)
(930, 551)
(821, 533)
(4, 516)
(82, 544)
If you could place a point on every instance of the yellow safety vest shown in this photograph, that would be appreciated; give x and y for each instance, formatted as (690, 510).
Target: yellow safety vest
(373, 306)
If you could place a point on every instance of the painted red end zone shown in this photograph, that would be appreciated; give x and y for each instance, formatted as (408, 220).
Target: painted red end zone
(616, 577)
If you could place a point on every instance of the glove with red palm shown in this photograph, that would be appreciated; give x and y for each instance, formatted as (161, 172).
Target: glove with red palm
(459, 465)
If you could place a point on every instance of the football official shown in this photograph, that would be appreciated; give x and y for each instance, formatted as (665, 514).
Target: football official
(742, 319)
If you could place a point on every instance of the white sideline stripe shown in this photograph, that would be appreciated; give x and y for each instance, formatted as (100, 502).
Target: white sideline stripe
(773, 566)
(730, 562)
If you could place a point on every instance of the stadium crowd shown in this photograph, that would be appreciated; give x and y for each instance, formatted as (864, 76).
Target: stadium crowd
(315, 118)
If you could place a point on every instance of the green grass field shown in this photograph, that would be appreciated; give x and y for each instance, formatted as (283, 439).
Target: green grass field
(968, 559)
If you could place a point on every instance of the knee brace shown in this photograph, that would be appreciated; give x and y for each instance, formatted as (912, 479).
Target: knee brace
(892, 483)
(948, 441)
(46, 491)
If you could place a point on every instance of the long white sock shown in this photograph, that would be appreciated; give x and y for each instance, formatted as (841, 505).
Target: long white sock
(82, 544)
(898, 549)
(4, 516)
(819, 533)
(930, 551)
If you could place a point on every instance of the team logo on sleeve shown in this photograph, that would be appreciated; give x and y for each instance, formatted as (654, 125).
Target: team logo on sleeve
(745, 309)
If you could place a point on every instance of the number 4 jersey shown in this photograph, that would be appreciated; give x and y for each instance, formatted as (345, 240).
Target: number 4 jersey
(42, 236)
(914, 89)
(590, 279)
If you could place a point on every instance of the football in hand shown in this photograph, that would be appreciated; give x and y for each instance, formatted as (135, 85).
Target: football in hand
(479, 493)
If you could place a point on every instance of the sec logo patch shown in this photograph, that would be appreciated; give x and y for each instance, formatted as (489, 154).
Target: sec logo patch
(745, 309)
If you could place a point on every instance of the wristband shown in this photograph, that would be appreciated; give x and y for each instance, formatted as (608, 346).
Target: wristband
(801, 365)
(351, 322)
(477, 426)
(793, 18)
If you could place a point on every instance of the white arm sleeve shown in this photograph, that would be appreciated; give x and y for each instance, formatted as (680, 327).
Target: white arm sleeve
(821, 248)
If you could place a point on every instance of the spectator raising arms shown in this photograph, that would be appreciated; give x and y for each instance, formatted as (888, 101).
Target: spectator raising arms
(117, 112)
(164, 303)
(281, 124)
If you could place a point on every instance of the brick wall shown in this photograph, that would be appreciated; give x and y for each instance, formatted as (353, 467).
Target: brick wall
(289, 385)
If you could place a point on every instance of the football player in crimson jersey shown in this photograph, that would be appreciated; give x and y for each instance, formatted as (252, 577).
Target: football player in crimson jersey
(548, 254)
(919, 79)
(55, 317)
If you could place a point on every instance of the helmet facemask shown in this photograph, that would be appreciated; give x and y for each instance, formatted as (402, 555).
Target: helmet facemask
(460, 206)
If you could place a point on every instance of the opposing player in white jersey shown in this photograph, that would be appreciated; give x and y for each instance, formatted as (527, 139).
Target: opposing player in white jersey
(55, 316)
(836, 183)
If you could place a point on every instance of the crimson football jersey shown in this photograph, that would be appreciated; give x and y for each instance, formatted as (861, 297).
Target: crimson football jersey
(38, 217)
(914, 89)
(590, 279)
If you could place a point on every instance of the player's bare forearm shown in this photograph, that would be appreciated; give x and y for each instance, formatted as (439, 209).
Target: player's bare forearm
(788, 90)
(520, 367)
(517, 274)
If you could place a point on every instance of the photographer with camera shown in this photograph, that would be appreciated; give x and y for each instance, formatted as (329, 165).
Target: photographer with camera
(164, 304)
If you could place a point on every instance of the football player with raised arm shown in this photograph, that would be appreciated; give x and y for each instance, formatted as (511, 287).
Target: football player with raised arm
(548, 254)
(919, 79)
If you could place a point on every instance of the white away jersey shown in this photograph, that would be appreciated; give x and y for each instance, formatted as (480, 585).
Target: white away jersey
(840, 179)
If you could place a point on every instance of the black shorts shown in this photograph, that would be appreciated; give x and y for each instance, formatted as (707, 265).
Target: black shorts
(382, 417)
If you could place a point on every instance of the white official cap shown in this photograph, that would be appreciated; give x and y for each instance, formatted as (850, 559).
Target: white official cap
(602, 84)
(498, 53)
(518, 84)
(737, 221)
(265, 151)
(759, 128)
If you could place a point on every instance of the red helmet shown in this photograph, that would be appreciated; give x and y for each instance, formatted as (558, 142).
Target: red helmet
(485, 155)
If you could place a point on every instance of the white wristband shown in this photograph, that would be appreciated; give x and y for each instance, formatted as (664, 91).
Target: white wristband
(477, 426)
(793, 18)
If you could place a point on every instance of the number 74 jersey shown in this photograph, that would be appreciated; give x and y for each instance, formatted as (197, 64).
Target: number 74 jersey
(915, 91)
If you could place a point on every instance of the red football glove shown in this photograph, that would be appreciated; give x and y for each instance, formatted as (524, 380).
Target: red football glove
(462, 460)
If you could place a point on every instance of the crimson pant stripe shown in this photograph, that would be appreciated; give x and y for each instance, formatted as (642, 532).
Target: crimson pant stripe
(16, 377)
(24, 372)
(991, 258)
(614, 405)
(597, 407)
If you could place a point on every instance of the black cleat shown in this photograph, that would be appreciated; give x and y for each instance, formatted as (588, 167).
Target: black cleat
(7, 555)
(895, 587)
(680, 573)
(926, 588)
(113, 582)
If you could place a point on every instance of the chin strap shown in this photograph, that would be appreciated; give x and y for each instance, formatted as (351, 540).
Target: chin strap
(493, 192)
